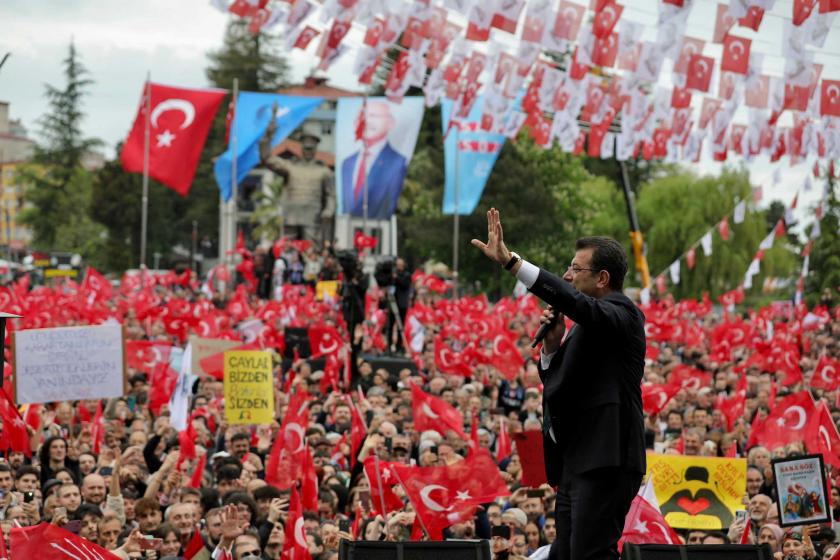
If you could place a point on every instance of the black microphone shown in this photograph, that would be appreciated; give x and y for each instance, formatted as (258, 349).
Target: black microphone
(544, 328)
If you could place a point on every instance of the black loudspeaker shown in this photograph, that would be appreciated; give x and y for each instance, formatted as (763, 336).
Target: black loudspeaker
(448, 550)
(393, 364)
(296, 338)
(696, 552)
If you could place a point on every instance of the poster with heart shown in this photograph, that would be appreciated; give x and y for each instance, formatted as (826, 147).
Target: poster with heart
(800, 485)
(698, 492)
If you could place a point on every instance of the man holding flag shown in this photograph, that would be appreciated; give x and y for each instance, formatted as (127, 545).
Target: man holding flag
(593, 420)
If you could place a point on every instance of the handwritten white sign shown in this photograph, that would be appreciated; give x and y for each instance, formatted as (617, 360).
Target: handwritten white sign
(68, 363)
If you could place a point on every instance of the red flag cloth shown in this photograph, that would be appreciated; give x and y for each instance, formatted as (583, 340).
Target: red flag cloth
(474, 442)
(186, 443)
(382, 484)
(4, 551)
(825, 7)
(644, 523)
(753, 18)
(195, 545)
(96, 287)
(432, 413)
(14, 435)
(198, 472)
(503, 447)
(786, 423)
(736, 54)
(98, 428)
(294, 545)
(723, 229)
(529, 447)
(745, 534)
(324, 340)
(506, 356)
(358, 431)
(449, 361)
(732, 453)
(802, 10)
(446, 495)
(309, 482)
(362, 241)
(214, 364)
(284, 464)
(606, 18)
(826, 374)
(144, 355)
(822, 436)
(699, 72)
(48, 542)
(830, 98)
(178, 124)
(655, 397)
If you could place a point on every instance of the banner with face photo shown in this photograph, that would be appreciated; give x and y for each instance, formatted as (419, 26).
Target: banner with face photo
(374, 142)
(698, 492)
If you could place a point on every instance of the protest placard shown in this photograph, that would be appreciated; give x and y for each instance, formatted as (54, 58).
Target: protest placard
(800, 486)
(204, 348)
(249, 387)
(68, 363)
(698, 492)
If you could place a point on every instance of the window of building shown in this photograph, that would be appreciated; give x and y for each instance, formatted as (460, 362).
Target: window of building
(326, 128)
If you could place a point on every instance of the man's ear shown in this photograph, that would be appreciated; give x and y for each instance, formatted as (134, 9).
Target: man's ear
(603, 279)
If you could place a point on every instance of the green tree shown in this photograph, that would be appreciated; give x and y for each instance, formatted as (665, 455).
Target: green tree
(674, 213)
(56, 187)
(824, 263)
(254, 59)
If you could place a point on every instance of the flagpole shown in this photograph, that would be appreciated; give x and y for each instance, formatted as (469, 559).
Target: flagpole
(230, 205)
(456, 222)
(364, 162)
(416, 513)
(144, 213)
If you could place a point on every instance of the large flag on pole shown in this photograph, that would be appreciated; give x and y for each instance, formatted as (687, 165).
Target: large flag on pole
(179, 121)
(254, 112)
(476, 152)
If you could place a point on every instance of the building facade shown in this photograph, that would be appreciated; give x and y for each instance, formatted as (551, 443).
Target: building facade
(16, 148)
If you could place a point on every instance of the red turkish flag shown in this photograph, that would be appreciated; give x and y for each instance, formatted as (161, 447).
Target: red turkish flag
(49, 542)
(294, 545)
(723, 23)
(606, 18)
(337, 32)
(569, 18)
(13, 435)
(644, 523)
(382, 482)
(690, 47)
(802, 10)
(733, 407)
(309, 483)
(178, 124)
(699, 72)
(305, 37)
(503, 447)
(827, 6)
(736, 54)
(324, 340)
(358, 431)
(506, 356)
(830, 98)
(687, 377)
(285, 462)
(680, 98)
(198, 472)
(723, 229)
(449, 361)
(822, 436)
(362, 241)
(826, 374)
(95, 286)
(98, 428)
(753, 18)
(690, 258)
(605, 51)
(144, 355)
(446, 495)
(433, 413)
(757, 95)
(655, 397)
(786, 423)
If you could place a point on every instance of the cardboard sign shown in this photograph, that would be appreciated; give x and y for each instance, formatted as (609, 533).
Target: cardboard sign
(698, 492)
(69, 363)
(205, 347)
(249, 387)
(326, 290)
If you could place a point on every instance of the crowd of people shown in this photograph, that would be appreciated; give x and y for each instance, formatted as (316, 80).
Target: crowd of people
(125, 482)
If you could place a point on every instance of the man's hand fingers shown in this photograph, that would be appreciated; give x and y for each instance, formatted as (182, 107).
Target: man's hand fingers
(479, 244)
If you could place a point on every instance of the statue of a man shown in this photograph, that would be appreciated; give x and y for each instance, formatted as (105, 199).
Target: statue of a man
(309, 193)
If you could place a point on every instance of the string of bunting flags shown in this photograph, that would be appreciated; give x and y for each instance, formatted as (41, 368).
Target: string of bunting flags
(591, 77)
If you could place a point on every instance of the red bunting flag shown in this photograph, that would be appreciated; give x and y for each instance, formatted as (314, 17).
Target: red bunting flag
(309, 483)
(198, 472)
(285, 461)
(503, 447)
(736, 54)
(699, 72)
(826, 374)
(178, 120)
(14, 435)
(295, 546)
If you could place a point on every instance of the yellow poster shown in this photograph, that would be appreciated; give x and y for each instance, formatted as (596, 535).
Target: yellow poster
(698, 492)
(249, 388)
(326, 290)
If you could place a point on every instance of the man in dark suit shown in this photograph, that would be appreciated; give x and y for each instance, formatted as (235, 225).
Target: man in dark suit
(593, 424)
(377, 166)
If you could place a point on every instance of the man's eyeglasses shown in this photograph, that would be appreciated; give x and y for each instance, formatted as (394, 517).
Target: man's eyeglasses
(250, 554)
(577, 269)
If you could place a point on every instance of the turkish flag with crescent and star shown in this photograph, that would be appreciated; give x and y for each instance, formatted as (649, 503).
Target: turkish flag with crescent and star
(294, 545)
(443, 496)
(49, 542)
(644, 523)
(14, 435)
(433, 413)
(822, 436)
(826, 374)
(786, 423)
(178, 124)
(284, 465)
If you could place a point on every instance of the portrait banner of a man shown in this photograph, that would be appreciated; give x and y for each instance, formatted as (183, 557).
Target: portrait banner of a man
(374, 143)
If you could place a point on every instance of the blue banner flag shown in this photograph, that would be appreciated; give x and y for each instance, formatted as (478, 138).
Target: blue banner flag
(477, 151)
(254, 112)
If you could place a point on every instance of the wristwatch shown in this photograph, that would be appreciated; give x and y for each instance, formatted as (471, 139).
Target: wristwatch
(514, 258)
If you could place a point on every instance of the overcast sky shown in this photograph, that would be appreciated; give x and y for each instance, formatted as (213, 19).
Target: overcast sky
(119, 42)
